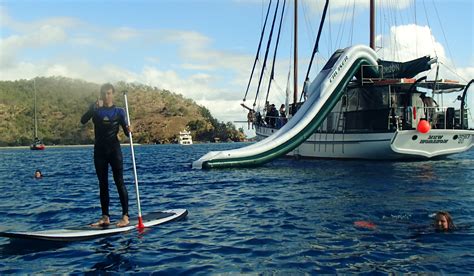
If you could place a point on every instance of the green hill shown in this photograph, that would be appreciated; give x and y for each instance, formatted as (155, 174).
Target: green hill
(157, 115)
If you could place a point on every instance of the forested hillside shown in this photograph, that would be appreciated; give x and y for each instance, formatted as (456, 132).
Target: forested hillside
(157, 115)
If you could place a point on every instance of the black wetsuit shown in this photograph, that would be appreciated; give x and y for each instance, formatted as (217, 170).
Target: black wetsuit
(107, 121)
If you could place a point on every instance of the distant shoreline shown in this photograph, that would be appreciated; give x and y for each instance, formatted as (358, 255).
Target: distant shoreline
(47, 146)
(122, 144)
(60, 146)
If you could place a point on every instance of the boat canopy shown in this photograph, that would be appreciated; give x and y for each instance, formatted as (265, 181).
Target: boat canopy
(409, 69)
(401, 70)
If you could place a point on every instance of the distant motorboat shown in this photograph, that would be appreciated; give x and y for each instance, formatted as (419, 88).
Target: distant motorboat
(185, 138)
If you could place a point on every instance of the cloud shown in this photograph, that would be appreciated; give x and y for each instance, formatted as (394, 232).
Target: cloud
(340, 9)
(34, 35)
(10, 23)
(124, 33)
(228, 110)
(188, 62)
(407, 42)
(44, 36)
(195, 51)
(196, 86)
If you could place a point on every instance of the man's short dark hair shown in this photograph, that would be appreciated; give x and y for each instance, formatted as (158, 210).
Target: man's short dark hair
(105, 87)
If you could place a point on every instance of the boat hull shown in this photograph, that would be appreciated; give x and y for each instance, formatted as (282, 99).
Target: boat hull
(37, 147)
(185, 138)
(381, 146)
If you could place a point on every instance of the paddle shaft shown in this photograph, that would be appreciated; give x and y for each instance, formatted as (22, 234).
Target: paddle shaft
(140, 220)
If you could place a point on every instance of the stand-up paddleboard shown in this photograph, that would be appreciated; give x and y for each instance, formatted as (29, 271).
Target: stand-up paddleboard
(91, 232)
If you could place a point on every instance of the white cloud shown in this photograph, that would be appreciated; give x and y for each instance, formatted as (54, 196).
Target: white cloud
(407, 42)
(153, 59)
(225, 110)
(341, 9)
(10, 23)
(212, 77)
(197, 86)
(59, 70)
(124, 33)
(201, 67)
(44, 36)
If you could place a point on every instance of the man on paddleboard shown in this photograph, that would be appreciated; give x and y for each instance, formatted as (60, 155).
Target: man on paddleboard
(107, 119)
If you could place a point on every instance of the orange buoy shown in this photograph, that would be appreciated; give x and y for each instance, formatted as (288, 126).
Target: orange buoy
(423, 126)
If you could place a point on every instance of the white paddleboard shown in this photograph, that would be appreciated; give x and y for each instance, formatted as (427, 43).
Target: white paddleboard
(90, 232)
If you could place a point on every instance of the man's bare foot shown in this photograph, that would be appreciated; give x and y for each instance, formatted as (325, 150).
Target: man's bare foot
(103, 221)
(123, 222)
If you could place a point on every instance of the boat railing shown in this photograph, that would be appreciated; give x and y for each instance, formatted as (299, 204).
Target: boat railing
(390, 119)
(367, 78)
(383, 119)
(270, 121)
(403, 118)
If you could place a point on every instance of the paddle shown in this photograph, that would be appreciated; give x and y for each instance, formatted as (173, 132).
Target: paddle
(140, 220)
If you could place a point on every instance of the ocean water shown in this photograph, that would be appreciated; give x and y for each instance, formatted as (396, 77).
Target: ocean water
(289, 216)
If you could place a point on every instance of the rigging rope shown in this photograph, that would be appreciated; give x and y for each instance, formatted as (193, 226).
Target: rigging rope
(342, 25)
(452, 71)
(258, 51)
(352, 24)
(316, 44)
(309, 26)
(429, 25)
(272, 74)
(416, 24)
(266, 52)
(444, 35)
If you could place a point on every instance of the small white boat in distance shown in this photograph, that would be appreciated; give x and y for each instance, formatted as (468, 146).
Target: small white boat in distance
(185, 138)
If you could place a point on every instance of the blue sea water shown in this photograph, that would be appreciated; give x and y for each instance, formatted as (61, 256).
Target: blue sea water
(289, 216)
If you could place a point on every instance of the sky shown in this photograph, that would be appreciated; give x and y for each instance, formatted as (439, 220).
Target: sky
(205, 49)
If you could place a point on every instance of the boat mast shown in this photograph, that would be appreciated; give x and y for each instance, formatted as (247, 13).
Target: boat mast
(372, 24)
(295, 53)
(36, 126)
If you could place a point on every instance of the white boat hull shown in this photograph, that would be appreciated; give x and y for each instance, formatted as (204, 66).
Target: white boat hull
(381, 146)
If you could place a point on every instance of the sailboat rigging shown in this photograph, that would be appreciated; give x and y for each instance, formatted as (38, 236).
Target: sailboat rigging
(37, 143)
(350, 127)
(360, 107)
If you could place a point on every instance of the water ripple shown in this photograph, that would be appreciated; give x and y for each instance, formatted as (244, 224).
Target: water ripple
(287, 217)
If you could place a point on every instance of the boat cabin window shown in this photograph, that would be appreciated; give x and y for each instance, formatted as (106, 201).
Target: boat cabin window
(333, 59)
(367, 109)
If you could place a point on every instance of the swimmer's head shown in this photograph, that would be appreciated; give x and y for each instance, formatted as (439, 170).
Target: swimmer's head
(443, 221)
(38, 174)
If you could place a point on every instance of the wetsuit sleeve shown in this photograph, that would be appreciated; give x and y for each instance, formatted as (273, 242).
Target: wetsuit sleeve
(88, 115)
(123, 122)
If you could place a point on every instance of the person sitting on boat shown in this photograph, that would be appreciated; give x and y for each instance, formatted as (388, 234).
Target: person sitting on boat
(38, 174)
(443, 221)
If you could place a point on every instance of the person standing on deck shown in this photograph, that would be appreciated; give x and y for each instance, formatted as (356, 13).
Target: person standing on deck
(107, 119)
(250, 118)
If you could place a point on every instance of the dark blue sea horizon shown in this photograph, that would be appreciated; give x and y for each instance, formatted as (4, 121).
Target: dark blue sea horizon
(288, 216)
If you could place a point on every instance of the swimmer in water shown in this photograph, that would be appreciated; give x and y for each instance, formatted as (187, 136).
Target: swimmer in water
(38, 174)
(443, 222)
